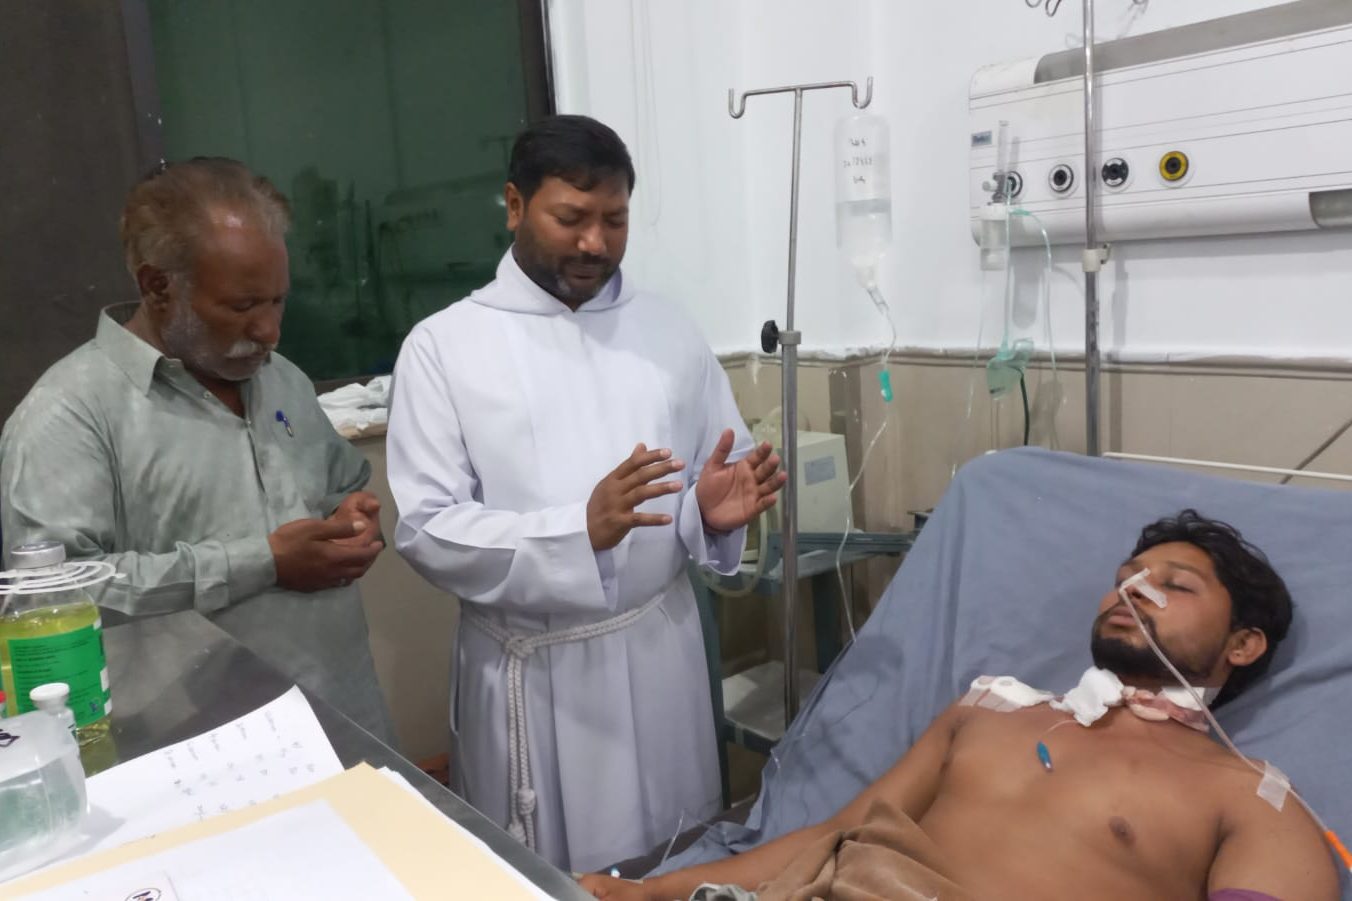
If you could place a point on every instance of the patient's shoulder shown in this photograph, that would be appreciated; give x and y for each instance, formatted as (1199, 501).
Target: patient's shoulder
(1268, 842)
(1253, 791)
(1248, 786)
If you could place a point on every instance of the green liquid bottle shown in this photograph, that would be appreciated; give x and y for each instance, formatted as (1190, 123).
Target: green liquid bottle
(50, 631)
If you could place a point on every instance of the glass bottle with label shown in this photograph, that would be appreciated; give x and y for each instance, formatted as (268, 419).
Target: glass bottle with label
(50, 631)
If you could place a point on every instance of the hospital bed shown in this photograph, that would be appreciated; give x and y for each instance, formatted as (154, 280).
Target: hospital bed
(1006, 577)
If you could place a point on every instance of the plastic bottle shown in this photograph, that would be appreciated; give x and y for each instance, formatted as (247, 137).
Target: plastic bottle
(863, 191)
(42, 792)
(53, 633)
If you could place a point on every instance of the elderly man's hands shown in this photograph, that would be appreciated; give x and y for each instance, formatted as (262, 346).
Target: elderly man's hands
(317, 554)
(361, 508)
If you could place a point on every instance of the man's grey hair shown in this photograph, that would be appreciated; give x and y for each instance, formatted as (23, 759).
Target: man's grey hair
(168, 211)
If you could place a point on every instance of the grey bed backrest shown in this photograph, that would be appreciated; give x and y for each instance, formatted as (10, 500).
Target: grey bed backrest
(1006, 578)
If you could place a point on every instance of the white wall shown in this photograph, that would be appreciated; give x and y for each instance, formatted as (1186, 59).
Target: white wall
(711, 211)
(658, 73)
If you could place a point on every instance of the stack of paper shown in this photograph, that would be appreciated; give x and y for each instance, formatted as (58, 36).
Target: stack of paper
(254, 810)
(305, 852)
(356, 835)
(276, 749)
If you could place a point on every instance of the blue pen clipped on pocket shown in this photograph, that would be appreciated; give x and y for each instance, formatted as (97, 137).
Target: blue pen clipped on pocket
(281, 417)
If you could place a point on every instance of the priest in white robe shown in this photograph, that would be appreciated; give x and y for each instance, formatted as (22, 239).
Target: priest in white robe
(561, 444)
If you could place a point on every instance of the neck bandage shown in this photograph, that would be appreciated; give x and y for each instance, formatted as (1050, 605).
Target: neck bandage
(1097, 693)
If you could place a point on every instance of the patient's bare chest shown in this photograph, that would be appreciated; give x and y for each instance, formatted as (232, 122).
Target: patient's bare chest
(1123, 800)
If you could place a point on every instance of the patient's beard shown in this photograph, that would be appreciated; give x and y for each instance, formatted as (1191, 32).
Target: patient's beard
(1132, 663)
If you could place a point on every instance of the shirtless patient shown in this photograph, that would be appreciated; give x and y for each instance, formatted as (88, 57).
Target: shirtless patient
(1133, 808)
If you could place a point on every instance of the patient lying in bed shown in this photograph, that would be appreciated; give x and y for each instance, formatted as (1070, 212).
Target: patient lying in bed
(1030, 804)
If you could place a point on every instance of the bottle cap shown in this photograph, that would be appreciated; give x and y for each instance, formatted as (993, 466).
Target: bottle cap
(37, 555)
(51, 697)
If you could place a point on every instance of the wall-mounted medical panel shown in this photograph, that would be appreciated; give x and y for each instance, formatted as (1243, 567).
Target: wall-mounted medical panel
(1235, 126)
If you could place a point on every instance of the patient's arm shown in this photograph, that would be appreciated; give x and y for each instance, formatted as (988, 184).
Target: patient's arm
(910, 784)
(1280, 853)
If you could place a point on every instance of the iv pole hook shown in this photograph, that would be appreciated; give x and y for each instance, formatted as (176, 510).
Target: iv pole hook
(737, 102)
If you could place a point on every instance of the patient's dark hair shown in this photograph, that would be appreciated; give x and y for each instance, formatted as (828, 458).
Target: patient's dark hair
(577, 149)
(1259, 598)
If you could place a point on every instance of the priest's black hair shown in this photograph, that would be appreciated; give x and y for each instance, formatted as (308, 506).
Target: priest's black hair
(577, 149)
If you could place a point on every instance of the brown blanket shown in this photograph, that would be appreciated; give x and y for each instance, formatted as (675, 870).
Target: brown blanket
(888, 858)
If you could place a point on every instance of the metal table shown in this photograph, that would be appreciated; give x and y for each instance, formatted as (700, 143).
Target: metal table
(748, 706)
(178, 675)
(817, 562)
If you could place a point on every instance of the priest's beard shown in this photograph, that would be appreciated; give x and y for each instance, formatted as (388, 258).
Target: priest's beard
(1130, 662)
(551, 271)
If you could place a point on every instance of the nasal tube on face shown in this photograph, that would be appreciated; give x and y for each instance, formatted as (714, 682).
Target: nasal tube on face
(1141, 583)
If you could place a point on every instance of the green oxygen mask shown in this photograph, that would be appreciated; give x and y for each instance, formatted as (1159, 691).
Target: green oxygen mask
(1006, 369)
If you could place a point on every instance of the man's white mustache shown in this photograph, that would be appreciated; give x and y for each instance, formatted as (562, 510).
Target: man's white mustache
(242, 350)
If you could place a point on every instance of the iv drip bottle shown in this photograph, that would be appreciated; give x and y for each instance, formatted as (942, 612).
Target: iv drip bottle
(863, 189)
(53, 635)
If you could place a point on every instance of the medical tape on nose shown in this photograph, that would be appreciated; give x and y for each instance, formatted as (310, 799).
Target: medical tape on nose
(1149, 591)
(1274, 786)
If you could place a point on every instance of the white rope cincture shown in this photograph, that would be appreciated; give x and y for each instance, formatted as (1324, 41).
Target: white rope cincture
(520, 793)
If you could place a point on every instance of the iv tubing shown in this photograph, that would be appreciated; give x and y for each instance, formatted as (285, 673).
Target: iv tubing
(976, 358)
(869, 281)
(981, 315)
(1046, 282)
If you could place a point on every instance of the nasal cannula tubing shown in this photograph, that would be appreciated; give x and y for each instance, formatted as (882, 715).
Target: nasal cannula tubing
(1046, 283)
(1329, 835)
(1011, 211)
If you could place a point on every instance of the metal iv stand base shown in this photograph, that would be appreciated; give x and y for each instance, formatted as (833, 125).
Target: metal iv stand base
(787, 341)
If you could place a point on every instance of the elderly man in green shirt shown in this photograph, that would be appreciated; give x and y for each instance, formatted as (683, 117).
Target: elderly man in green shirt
(179, 447)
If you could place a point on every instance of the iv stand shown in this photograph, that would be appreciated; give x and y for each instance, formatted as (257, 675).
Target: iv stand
(788, 340)
(1094, 254)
